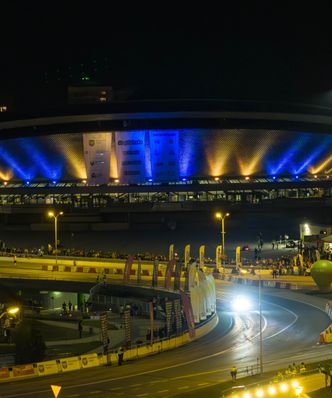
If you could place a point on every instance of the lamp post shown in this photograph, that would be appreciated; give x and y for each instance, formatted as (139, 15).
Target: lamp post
(221, 216)
(260, 326)
(55, 216)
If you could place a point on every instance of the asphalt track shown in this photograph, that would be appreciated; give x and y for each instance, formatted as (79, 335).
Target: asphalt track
(290, 334)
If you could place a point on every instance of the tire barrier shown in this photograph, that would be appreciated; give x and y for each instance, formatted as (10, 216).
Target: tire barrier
(93, 360)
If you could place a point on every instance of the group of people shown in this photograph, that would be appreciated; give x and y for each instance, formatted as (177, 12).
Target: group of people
(156, 333)
(65, 306)
(291, 371)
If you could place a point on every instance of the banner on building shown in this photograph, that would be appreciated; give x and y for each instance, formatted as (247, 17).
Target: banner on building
(171, 252)
(104, 328)
(238, 256)
(97, 155)
(164, 154)
(201, 256)
(155, 272)
(127, 269)
(188, 313)
(186, 255)
(130, 155)
(218, 256)
(168, 273)
(127, 325)
(178, 316)
(168, 310)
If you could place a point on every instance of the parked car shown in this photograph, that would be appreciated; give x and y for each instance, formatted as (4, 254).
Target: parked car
(246, 248)
(290, 244)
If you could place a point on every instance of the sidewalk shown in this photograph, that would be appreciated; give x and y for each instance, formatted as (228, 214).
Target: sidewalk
(139, 329)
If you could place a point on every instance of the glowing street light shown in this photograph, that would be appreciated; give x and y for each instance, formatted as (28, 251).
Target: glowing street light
(241, 304)
(13, 310)
(221, 216)
(55, 216)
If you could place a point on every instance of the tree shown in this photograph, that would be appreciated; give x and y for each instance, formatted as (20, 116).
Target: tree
(29, 343)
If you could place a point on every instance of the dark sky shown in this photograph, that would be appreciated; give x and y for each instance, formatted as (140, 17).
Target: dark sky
(254, 51)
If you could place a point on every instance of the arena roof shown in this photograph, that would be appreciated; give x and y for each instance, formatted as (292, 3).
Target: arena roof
(168, 114)
(196, 143)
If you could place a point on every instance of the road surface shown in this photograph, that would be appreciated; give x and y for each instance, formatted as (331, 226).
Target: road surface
(290, 334)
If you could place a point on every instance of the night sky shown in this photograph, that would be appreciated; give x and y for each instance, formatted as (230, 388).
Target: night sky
(255, 51)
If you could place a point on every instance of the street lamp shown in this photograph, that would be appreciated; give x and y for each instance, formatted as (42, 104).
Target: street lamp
(55, 216)
(260, 324)
(221, 216)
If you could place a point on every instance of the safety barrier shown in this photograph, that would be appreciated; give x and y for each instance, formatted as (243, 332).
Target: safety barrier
(255, 282)
(94, 360)
(326, 336)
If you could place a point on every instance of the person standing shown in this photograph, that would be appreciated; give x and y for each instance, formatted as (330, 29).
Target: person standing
(80, 329)
(233, 372)
(120, 356)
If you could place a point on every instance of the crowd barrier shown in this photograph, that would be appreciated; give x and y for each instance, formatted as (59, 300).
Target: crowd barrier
(114, 268)
(326, 336)
(255, 282)
(62, 365)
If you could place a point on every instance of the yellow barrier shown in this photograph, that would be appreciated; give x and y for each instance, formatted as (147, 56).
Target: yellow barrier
(68, 364)
(89, 360)
(47, 368)
(23, 370)
(4, 373)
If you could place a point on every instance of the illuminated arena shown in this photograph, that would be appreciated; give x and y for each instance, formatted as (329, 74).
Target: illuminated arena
(166, 153)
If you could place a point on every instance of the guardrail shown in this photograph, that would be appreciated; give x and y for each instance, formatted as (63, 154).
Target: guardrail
(255, 282)
(92, 360)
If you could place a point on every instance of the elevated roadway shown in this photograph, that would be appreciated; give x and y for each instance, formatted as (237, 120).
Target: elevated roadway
(292, 322)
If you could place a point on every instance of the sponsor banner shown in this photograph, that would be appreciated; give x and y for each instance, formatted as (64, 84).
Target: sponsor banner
(201, 276)
(4, 373)
(201, 256)
(192, 272)
(23, 370)
(168, 309)
(177, 278)
(178, 318)
(127, 269)
(164, 154)
(104, 328)
(238, 256)
(47, 368)
(155, 272)
(127, 325)
(71, 363)
(170, 252)
(97, 153)
(186, 255)
(218, 256)
(130, 154)
(168, 274)
(188, 312)
(89, 361)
